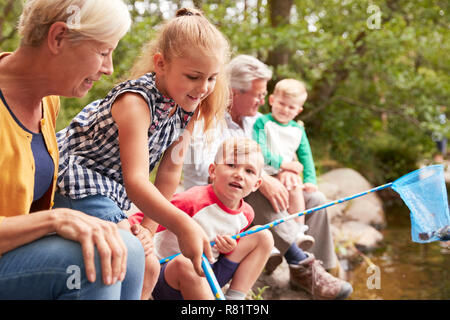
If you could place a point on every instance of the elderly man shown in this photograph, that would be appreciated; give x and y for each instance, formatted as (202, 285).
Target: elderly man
(249, 78)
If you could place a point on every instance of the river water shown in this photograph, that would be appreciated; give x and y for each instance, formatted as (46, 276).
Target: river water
(404, 269)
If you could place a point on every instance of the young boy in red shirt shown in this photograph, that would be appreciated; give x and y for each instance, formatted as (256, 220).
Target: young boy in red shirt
(220, 209)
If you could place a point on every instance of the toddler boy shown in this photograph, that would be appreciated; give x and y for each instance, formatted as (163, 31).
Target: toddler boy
(283, 141)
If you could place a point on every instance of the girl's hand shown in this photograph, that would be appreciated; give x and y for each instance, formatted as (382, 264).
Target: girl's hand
(93, 232)
(193, 242)
(225, 244)
(145, 237)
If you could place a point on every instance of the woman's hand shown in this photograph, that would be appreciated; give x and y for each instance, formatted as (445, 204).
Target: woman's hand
(93, 232)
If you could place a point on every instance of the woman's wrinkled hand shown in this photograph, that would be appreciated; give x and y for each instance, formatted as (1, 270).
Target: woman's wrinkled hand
(93, 232)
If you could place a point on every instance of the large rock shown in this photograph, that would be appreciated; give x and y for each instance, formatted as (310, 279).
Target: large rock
(341, 183)
(364, 237)
(354, 223)
(366, 212)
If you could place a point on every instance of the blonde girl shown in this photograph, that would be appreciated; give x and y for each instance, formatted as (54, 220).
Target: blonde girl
(109, 148)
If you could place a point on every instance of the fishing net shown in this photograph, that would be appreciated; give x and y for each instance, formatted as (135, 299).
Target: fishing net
(425, 194)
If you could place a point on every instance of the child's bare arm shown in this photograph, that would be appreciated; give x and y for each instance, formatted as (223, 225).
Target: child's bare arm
(133, 118)
(169, 170)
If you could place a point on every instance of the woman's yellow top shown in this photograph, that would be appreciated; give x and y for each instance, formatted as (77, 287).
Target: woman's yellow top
(17, 160)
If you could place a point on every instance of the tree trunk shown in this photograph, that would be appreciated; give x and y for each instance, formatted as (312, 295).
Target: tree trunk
(280, 12)
(198, 3)
(258, 11)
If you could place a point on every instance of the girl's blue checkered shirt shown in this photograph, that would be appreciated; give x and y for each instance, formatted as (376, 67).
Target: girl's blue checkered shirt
(89, 147)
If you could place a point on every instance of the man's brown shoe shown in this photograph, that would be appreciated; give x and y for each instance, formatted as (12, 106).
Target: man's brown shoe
(310, 276)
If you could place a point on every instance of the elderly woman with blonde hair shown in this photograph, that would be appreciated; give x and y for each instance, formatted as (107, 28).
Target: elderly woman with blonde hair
(66, 45)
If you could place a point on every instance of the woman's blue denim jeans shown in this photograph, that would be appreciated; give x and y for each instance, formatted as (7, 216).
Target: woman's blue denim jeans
(52, 268)
(96, 205)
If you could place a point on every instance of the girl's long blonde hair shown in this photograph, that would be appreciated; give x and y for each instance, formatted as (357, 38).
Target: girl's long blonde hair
(191, 30)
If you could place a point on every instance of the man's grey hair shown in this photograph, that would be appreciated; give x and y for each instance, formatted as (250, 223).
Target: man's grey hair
(243, 69)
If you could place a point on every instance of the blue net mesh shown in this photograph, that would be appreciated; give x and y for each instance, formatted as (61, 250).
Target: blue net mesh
(425, 194)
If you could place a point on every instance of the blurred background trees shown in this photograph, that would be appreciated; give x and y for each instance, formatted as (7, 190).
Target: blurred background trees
(376, 71)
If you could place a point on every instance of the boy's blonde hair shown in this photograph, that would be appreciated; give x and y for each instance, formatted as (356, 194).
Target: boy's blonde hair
(102, 20)
(191, 30)
(240, 148)
(291, 88)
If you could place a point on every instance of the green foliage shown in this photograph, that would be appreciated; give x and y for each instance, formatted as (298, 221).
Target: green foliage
(258, 295)
(393, 157)
(376, 71)
(9, 13)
